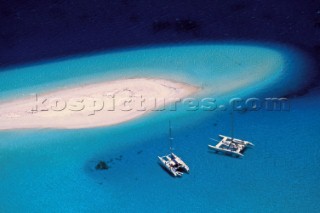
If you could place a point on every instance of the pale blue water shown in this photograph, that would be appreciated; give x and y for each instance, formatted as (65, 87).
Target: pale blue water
(53, 170)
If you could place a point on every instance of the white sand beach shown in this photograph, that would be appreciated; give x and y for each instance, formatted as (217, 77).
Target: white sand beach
(92, 105)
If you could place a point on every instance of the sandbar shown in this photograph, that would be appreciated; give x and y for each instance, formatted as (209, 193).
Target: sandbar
(92, 105)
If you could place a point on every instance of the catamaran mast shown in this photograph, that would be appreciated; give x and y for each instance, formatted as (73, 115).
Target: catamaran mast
(170, 136)
(232, 125)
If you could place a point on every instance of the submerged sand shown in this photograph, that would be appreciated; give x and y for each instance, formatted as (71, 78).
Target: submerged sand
(92, 105)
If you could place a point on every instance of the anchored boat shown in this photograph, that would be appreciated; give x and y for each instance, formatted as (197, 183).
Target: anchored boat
(172, 163)
(230, 145)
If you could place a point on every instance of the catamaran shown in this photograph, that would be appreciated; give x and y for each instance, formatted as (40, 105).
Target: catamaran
(172, 163)
(230, 145)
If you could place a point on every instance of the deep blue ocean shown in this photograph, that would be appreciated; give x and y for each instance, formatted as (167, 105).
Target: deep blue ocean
(230, 49)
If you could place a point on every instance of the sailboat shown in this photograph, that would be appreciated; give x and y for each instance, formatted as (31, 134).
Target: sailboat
(230, 145)
(171, 162)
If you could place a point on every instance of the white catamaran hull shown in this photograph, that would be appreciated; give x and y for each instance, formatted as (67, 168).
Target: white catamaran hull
(166, 165)
(238, 141)
(225, 151)
(182, 164)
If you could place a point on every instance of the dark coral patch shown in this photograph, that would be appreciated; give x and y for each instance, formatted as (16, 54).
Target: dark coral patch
(102, 166)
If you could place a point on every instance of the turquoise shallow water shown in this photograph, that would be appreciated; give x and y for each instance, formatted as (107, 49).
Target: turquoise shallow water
(53, 170)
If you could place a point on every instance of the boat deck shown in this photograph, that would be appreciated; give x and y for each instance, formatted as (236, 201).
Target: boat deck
(234, 147)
